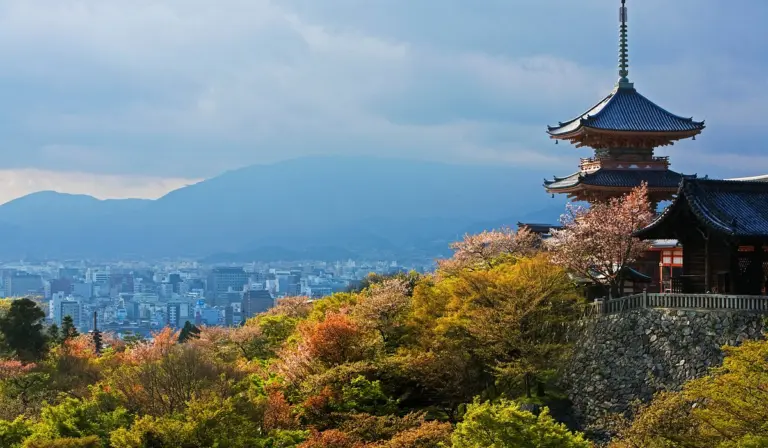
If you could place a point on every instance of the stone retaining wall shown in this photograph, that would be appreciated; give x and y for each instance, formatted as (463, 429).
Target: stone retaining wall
(630, 356)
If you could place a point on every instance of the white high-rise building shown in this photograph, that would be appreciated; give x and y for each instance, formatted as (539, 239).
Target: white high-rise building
(68, 307)
(98, 275)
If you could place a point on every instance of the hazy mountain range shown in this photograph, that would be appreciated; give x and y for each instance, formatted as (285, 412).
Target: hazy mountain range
(320, 208)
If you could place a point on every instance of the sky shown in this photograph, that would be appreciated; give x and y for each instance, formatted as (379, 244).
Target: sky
(118, 98)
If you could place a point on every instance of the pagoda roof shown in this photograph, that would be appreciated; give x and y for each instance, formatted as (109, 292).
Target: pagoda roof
(617, 178)
(626, 110)
(538, 228)
(731, 207)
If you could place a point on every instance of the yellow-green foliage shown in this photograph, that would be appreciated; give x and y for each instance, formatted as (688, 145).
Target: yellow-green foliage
(5, 305)
(504, 424)
(394, 365)
(725, 409)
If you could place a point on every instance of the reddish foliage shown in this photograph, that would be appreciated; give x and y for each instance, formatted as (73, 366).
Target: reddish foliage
(317, 407)
(334, 341)
(329, 439)
(428, 435)
(159, 347)
(11, 368)
(80, 347)
(278, 414)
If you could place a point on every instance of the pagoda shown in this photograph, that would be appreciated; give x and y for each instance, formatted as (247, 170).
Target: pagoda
(623, 129)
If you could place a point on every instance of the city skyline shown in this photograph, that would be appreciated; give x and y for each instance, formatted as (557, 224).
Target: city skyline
(139, 298)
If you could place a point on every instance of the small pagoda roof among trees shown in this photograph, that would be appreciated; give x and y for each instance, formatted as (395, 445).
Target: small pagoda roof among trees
(626, 110)
(538, 228)
(729, 207)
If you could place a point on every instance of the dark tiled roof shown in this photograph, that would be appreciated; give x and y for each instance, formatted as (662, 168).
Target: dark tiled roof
(537, 227)
(636, 276)
(627, 110)
(738, 208)
(618, 178)
(761, 178)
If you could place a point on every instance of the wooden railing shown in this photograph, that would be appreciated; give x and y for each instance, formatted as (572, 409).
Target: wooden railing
(711, 302)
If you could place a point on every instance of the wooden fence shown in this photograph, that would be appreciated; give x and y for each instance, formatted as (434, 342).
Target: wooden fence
(710, 302)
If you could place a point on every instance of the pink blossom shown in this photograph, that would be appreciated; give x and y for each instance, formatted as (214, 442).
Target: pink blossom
(598, 242)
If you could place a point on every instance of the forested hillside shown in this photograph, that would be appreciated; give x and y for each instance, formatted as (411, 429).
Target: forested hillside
(467, 357)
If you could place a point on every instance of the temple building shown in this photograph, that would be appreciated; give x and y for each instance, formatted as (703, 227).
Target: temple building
(723, 226)
(624, 129)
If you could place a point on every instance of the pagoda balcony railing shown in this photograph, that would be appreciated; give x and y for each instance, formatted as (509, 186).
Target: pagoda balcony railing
(678, 301)
(598, 159)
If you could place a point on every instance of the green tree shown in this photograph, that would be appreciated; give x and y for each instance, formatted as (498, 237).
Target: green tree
(24, 394)
(66, 442)
(189, 331)
(209, 422)
(507, 325)
(54, 335)
(74, 418)
(22, 329)
(411, 279)
(275, 330)
(68, 329)
(361, 395)
(131, 339)
(13, 434)
(504, 424)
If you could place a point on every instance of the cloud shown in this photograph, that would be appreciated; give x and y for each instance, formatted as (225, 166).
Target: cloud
(190, 88)
(17, 183)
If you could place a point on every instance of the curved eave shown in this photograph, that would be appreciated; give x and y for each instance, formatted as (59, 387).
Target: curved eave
(655, 229)
(650, 231)
(582, 117)
(701, 213)
(626, 105)
(584, 129)
(583, 186)
(571, 189)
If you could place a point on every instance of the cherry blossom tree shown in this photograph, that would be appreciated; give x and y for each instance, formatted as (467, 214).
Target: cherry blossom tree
(384, 308)
(484, 249)
(598, 242)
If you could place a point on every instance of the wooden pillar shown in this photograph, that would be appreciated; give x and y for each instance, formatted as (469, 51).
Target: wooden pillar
(763, 259)
(707, 281)
(733, 279)
(756, 270)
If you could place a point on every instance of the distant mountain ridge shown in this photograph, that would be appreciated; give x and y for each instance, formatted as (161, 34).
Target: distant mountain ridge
(337, 205)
